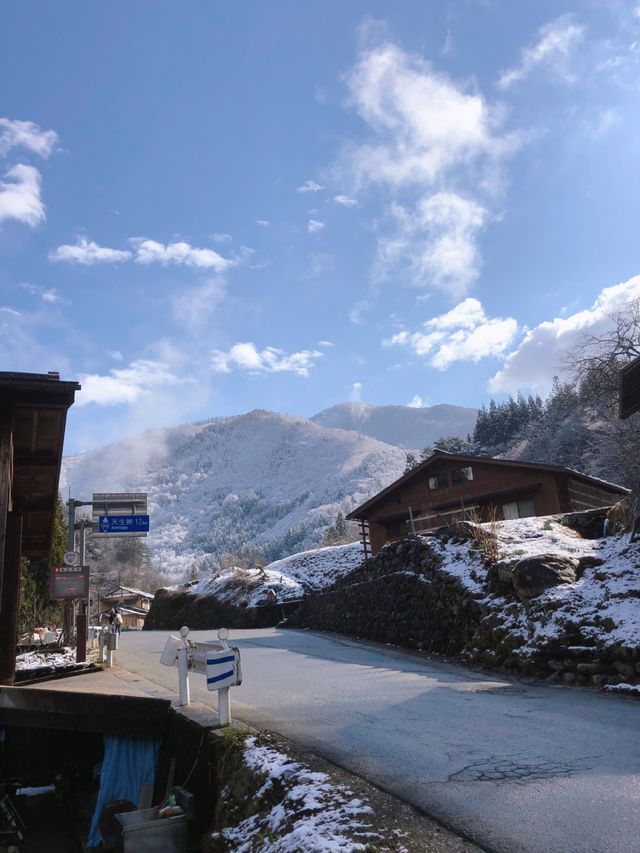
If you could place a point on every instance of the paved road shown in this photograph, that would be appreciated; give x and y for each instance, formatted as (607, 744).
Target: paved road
(515, 767)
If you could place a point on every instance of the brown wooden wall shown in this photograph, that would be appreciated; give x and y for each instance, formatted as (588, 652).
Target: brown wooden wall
(537, 485)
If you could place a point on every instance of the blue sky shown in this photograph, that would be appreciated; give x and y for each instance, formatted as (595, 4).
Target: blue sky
(211, 207)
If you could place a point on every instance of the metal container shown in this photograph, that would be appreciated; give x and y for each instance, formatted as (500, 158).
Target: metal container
(144, 831)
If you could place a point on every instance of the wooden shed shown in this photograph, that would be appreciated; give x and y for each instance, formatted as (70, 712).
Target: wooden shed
(450, 486)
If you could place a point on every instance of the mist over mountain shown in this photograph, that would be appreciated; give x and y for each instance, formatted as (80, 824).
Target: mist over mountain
(262, 479)
(403, 426)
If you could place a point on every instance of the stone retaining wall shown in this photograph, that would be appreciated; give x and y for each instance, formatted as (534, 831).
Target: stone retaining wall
(401, 596)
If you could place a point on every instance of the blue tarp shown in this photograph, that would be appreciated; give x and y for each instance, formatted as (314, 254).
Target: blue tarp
(128, 764)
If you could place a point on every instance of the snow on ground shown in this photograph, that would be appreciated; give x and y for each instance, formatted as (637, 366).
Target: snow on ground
(304, 810)
(320, 567)
(246, 586)
(289, 578)
(36, 660)
(604, 602)
(624, 689)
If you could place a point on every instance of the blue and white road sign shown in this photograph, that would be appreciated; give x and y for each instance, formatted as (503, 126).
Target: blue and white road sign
(223, 669)
(123, 523)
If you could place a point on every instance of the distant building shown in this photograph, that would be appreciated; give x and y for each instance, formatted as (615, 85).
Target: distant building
(449, 486)
(133, 604)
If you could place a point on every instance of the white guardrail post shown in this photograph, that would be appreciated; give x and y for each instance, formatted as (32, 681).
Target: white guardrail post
(183, 667)
(101, 646)
(220, 666)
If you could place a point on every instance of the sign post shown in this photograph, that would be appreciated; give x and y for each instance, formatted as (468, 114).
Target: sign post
(113, 514)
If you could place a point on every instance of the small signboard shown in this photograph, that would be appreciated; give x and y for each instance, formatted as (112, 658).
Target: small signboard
(110, 509)
(223, 669)
(68, 582)
(123, 524)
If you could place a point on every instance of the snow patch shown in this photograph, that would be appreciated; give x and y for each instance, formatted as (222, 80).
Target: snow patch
(313, 813)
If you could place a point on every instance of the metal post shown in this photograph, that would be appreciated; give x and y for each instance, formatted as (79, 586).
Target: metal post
(71, 529)
(110, 632)
(224, 706)
(81, 618)
(183, 667)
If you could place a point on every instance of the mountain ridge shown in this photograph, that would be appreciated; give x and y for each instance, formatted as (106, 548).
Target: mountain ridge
(259, 479)
(402, 426)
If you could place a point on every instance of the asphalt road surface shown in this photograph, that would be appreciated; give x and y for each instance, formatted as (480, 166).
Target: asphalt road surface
(515, 767)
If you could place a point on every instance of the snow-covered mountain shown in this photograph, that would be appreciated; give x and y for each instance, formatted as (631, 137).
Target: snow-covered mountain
(260, 479)
(402, 426)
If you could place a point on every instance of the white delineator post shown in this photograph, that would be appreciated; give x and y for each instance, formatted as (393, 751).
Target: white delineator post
(224, 706)
(224, 697)
(183, 667)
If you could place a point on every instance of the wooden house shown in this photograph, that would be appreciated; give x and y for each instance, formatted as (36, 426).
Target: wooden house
(451, 486)
(133, 604)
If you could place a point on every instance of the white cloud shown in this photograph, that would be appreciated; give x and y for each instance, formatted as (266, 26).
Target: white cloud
(178, 253)
(345, 201)
(194, 306)
(221, 237)
(540, 355)
(52, 296)
(310, 187)
(26, 134)
(115, 354)
(556, 43)
(325, 344)
(263, 222)
(416, 402)
(435, 150)
(437, 239)
(314, 226)
(20, 195)
(466, 315)
(356, 392)
(463, 334)
(48, 295)
(357, 312)
(125, 385)
(245, 356)
(87, 253)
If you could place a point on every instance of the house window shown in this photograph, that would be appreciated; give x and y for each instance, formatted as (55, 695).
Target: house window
(518, 509)
(438, 481)
(461, 475)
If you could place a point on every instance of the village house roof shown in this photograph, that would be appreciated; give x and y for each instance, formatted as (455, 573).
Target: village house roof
(439, 455)
(116, 591)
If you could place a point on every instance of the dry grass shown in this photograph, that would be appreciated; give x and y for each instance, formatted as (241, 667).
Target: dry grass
(485, 533)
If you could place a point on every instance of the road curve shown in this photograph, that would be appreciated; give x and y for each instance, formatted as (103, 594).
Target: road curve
(515, 767)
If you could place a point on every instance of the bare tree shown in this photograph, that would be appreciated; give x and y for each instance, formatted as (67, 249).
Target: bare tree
(596, 361)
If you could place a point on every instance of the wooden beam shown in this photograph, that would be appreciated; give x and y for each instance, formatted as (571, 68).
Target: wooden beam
(10, 598)
(83, 711)
(6, 420)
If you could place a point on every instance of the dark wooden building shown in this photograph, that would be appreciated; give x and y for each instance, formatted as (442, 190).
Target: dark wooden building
(450, 486)
(630, 389)
(33, 413)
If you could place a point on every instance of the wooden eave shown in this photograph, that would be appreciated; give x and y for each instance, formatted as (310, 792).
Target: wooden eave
(37, 407)
(630, 389)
